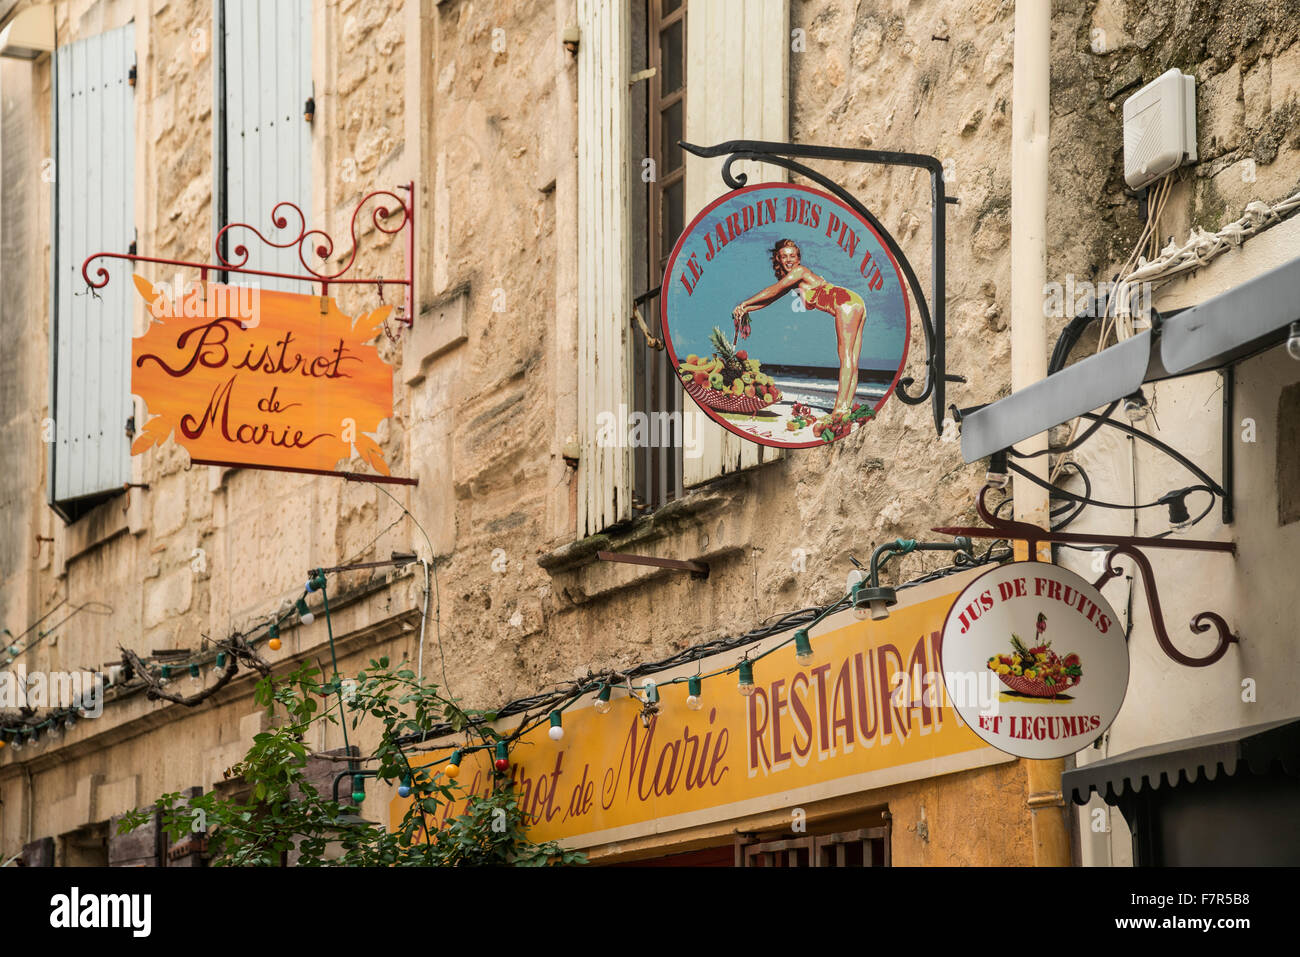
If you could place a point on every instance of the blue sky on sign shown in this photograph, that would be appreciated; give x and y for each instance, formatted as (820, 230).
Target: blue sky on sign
(781, 335)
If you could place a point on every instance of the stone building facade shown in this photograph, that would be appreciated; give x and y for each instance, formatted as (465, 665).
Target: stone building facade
(481, 106)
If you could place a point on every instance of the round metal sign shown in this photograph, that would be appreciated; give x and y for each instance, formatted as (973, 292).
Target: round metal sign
(786, 315)
(1034, 660)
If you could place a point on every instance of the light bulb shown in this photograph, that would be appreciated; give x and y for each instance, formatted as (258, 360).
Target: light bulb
(996, 476)
(453, 766)
(308, 618)
(556, 731)
(693, 700)
(1293, 341)
(304, 613)
(502, 761)
(651, 690)
(745, 684)
(17, 743)
(861, 608)
(1179, 518)
(803, 652)
(1135, 406)
(602, 705)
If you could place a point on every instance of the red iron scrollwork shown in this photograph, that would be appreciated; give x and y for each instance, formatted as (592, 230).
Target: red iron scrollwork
(390, 218)
(1118, 545)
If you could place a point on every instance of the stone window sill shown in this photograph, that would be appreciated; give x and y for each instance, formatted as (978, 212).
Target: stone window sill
(704, 526)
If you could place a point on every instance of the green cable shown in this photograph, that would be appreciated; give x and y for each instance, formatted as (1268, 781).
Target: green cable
(329, 628)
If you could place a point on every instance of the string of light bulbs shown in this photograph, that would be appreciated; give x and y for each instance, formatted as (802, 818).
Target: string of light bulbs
(550, 706)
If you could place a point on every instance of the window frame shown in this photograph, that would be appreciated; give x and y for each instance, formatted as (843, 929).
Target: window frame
(657, 467)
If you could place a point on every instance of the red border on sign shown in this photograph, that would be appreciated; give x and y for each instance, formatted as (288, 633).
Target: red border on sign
(668, 340)
(1002, 566)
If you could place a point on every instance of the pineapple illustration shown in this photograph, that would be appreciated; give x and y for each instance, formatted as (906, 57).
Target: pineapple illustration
(732, 367)
(1018, 645)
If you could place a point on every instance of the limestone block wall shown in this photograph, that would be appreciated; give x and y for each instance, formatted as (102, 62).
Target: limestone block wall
(475, 103)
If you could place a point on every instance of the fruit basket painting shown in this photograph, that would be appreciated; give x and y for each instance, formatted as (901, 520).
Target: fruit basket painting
(1038, 671)
(729, 380)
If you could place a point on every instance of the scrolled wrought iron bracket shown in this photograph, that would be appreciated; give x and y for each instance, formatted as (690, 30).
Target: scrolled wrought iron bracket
(391, 215)
(1118, 545)
(933, 328)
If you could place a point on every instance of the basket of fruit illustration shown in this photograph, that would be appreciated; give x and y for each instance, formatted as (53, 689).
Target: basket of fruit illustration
(729, 381)
(1036, 672)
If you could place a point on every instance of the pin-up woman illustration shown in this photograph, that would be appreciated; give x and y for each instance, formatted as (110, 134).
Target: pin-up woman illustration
(844, 305)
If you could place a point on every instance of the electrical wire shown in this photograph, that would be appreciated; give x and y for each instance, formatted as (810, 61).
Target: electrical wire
(564, 696)
(1091, 501)
(437, 605)
(1074, 443)
(1168, 450)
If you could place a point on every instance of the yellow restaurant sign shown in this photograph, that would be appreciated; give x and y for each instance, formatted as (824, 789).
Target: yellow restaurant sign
(869, 712)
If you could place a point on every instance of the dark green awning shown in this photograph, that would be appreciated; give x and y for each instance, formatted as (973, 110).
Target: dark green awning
(1259, 748)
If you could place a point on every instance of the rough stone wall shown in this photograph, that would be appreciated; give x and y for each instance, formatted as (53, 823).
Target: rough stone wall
(202, 551)
(482, 426)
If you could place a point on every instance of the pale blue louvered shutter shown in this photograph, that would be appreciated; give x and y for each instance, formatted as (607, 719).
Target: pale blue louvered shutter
(94, 212)
(267, 74)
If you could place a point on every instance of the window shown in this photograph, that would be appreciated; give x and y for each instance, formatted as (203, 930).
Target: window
(739, 52)
(85, 847)
(658, 200)
(263, 144)
(94, 211)
(860, 847)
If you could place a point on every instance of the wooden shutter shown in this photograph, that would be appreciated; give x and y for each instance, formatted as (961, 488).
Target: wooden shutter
(267, 59)
(94, 212)
(604, 261)
(737, 64)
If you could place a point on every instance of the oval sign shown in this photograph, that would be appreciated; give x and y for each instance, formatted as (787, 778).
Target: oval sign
(785, 315)
(1034, 660)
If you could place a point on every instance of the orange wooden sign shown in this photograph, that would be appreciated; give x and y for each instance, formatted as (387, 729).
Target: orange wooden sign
(259, 378)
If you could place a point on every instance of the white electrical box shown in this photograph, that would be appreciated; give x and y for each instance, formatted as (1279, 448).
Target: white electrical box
(1159, 128)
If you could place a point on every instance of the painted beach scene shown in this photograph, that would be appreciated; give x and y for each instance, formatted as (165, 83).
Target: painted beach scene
(785, 316)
